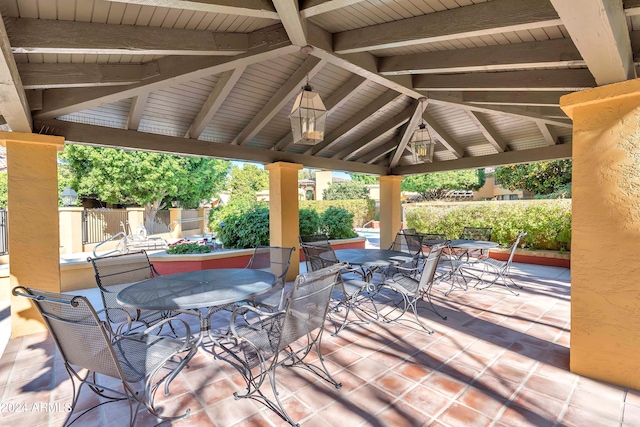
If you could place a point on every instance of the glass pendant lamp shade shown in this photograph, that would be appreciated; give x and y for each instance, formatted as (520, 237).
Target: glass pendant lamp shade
(422, 145)
(308, 117)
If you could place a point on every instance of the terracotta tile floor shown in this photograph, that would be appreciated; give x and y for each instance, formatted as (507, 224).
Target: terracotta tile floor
(498, 360)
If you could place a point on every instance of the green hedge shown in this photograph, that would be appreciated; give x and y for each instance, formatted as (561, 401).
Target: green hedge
(363, 210)
(547, 222)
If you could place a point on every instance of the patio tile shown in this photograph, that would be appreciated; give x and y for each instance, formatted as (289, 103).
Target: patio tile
(540, 404)
(517, 416)
(230, 411)
(633, 397)
(460, 415)
(444, 384)
(394, 383)
(580, 417)
(549, 387)
(344, 413)
(370, 399)
(402, 415)
(631, 415)
(367, 369)
(596, 402)
(427, 400)
(483, 402)
(494, 385)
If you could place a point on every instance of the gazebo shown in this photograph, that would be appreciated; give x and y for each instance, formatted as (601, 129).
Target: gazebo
(493, 82)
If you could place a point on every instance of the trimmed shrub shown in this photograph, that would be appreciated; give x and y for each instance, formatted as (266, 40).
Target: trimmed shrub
(547, 222)
(309, 221)
(246, 230)
(337, 223)
(363, 210)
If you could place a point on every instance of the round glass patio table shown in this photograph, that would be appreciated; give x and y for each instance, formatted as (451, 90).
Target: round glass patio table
(369, 260)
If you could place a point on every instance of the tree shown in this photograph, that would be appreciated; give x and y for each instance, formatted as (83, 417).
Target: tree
(365, 179)
(538, 178)
(3, 190)
(347, 190)
(306, 174)
(433, 186)
(142, 178)
(245, 182)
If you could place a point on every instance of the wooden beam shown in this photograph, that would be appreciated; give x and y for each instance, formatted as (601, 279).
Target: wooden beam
(555, 152)
(137, 109)
(631, 7)
(375, 154)
(482, 19)
(48, 76)
(529, 98)
(488, 131)
(523, 113)
(599, 30)
(14, 106)
(538, 54)
(357, 146)
(353, 122)
(316, 7)
(69, 37)
(418, 109)
(223, 87)
(332, 103)
(120, 138)
(279, 100)
(443, 136)
(251, 8)
(173, 70)
(293, 24)
(548, 134)
(544, 80)
(34, 98)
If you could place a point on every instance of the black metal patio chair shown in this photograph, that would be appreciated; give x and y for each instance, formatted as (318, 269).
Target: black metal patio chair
(501, 269)
(276, 260)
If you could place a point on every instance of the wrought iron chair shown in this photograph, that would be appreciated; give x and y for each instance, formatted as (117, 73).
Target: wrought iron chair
(350, 291)
(413, 289)
(408, 243)
(113, 274)
(313, 238)
(408, 231)
(501, 269)
(282, 339)
(474, 233)
(276, 260)
(87, 342)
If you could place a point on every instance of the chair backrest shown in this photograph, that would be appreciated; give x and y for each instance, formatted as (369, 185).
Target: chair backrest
(114, 273)
(271, 258)
(515, 246)
(409, 243)
(307, 304)
(76, 329)
(430, 265)
(408, 231)
(312, 238)
(476, 233)
(312, 254)
(433, 236)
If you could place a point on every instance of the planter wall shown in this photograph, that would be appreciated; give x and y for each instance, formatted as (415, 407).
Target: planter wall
(550, 258)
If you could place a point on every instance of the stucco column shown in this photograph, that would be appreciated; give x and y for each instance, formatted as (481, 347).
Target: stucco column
(71, 230)
(605, 243)
(34, 223)
(390, 209)
(323, 179)
(175, 218)
(203, 219)
(284, 217)
(135, 216)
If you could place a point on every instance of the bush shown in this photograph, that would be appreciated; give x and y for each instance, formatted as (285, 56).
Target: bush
(337, 223)
(548, 223)
(188, 248)
(246, 229)
(309, 221)
(363, 210)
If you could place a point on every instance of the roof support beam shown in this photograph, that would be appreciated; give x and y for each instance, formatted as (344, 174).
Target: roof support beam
(34, 98)
(173, 70)
(631, 7)
(498, 16)
(416, 118)
(118, 138)
(316, 7)
(375, 154)
(14, 107)
(356, 147)
(293, 24)
(488, 131)
(529, 98)
(353, 122)
(136, 111)
(50, 36)
(223, 87)
(599, 30)
(544, 80)
(443, 136)
(48, 76)
(548, 133)
(561, 151)
(279, 100)
(538, 54)
(332, 103)
(252, 8)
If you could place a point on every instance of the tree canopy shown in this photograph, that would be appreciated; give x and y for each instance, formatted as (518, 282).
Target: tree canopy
(142, 178)
(433, 186)
(3, 190)
(538, 178)
(245, 182)
(346, 190)
(365, 179)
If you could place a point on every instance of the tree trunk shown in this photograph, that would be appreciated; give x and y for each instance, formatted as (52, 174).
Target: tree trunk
(150, 211)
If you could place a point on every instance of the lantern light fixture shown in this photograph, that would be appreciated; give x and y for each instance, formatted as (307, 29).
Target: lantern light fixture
(422, 144)
(69, 197)
(308, 115)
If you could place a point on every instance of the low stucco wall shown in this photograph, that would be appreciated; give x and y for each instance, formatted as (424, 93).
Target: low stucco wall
(550, 258)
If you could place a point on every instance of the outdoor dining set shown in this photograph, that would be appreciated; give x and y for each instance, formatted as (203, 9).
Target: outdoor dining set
(146, 331)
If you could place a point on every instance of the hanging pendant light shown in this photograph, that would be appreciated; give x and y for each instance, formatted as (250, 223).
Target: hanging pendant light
(422, 145)
(308, 115)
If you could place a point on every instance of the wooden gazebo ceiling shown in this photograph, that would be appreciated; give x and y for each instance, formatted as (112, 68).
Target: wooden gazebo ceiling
(218, 77)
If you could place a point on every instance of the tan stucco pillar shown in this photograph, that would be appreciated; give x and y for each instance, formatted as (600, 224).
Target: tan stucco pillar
(284, 217)
(135, 216)
(323, 179)
(390, 209)
(175, 218)
(34, 224)
(71, 230)
(203, 220)
(605, 295)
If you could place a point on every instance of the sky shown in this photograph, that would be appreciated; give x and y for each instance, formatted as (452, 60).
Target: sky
(336, 174)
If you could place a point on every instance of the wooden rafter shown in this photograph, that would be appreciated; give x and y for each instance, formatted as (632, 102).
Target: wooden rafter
(416, 117)
(488, 131)
(14, 107)
(530, 98)
(375, 154)
(498, 16)
(444, 137)
(252, 8)
(48, 76)
(548, 134)
(137, 109)
(316, 7)
(293, 23)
